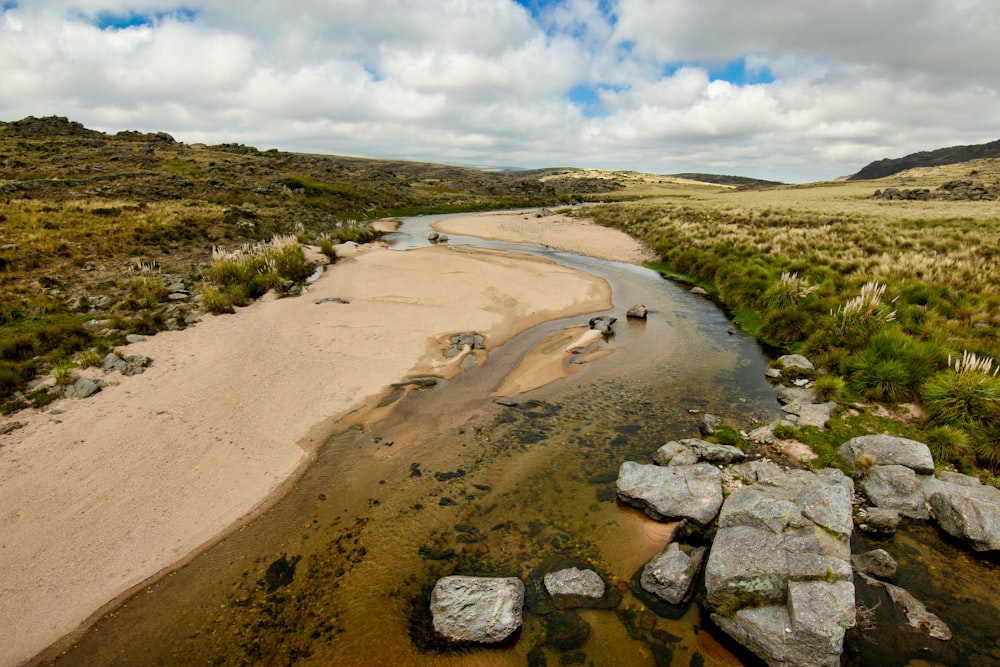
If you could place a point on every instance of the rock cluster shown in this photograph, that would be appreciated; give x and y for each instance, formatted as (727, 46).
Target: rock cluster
(957, 190)
(899, 478)
(778, 576)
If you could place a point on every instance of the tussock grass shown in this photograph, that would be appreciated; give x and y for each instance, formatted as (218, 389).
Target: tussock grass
(878, 292)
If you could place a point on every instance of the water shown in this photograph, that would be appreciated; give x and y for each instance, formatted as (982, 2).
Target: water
(451, 482)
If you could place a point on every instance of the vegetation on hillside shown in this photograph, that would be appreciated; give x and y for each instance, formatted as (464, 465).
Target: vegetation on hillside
(897, 300)
(97, 231)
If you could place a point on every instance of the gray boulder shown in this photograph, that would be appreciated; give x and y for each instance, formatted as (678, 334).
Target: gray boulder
(778, 576)
(665, 454)
(968, 512)
(576, 582)
(895, 487)
(877, 520)
(637, 312)
(796, 362)
(477, 609)
(710, 451)
(670, 575)
(883, 450)
(83, 388)
(709, 423)
(604, 324)
(674, 492)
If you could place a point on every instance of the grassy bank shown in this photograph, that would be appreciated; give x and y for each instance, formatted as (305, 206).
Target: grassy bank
(896, 301)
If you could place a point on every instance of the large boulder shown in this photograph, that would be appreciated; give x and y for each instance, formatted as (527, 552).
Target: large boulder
(477, 609)
(883, 450)
(895, 487)
(778, 576)
(670, 575)
(966, 510)
(676, 492)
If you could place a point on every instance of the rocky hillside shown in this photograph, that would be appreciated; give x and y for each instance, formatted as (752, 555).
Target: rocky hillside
(940, 157)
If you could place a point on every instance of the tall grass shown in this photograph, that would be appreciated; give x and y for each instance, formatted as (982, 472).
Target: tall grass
(239, 276)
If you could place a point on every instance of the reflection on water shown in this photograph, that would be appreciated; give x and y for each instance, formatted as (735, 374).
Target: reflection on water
(339, 571)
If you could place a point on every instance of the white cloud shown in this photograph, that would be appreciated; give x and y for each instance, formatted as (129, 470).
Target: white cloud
(488, 81)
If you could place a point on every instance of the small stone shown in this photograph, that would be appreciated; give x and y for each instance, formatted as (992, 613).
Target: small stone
(638, 312)
(574, 581)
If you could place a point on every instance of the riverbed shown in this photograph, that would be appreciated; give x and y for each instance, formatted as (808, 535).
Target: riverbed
(455, 479)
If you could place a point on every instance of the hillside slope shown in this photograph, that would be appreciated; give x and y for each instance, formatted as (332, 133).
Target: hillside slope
(936, 158)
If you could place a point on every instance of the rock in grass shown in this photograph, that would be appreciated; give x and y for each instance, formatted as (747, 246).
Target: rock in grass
(484, 610)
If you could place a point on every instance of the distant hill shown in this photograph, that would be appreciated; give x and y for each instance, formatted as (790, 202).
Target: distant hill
(937, 158)
(722, 179)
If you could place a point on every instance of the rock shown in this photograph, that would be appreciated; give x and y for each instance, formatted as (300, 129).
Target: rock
(709, 423)
(477, 609)
(423, 381)
(603, 323)
(773, 373)
(791, 395)
(778, 575)
(968, 512)
(442, 238)
(877, 563)
(692, 491)
(665, 454)
(895, 487)
(10, 427)
(878, 520)
(460, 341)
(811, 414)
(574, 581)
(710, 451)
(134, 338)
(179, 296)
(699, 291)
(670, 575)
(637, 312)
(885, 450)
(686, 458)
(796, 362)
(433, 236)
(916, 613)
(83, 388)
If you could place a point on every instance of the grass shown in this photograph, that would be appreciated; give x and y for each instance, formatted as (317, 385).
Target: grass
(878, 293)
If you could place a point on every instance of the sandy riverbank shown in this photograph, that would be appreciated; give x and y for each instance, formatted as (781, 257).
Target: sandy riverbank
(111, 491)
(578, 235)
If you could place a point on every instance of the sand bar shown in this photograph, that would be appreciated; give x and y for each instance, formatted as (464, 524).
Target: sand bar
(579, 235)
(106, 494)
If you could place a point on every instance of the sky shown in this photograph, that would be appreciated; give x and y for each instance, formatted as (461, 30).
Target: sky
(791, 90)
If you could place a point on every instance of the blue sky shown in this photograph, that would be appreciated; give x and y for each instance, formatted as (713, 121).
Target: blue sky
(802, 91)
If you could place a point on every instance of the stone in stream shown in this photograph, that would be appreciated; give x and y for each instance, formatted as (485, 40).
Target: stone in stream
(670, 575)
(637, 312)
(709, 423)
(966, 509)
(674, 492)
(573, 581)
(484, 610)
(876, 563)
(604, 324)
(778, 575)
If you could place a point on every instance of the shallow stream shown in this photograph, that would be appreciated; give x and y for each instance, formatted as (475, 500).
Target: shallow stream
(454, 482)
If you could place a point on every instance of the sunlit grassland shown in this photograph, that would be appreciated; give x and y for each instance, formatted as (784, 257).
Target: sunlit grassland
(887, 295)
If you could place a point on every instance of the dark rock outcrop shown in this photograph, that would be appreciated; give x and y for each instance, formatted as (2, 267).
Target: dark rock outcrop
(935, 158)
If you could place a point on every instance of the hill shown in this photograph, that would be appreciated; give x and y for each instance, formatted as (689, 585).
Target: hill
(105, 235)
(936, 158)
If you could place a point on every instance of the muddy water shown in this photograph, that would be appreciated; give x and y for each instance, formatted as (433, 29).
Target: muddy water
(453, 482)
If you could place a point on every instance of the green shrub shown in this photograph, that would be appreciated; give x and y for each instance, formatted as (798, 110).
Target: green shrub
(727, 435)
(290, 263)
(327, 248)
(949, 445)
(962, 399)
(214, 301)
(829, 388)
(64, 374)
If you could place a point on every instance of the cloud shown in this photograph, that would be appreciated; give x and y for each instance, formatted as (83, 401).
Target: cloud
(797, 91)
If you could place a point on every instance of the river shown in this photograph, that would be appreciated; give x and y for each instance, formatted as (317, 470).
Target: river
(453, 481)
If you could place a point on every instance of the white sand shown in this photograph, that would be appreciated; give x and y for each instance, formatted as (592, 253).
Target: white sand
(123, 486)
